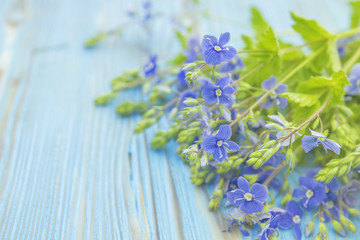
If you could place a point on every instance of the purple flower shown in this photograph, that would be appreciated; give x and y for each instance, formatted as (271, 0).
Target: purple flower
(270, 228)
(283, 127)
(249, 200)
(309, 142)
(218, 145)
(350, 193)
(218, 93)
(312, 193)
(193, 51)
(292, 218)
(269, 84)
(182, 83)
(214, 51)
(235, 63)
(150, 67)
(354, 79)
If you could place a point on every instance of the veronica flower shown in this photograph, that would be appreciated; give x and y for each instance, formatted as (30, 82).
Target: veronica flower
(292, 218)
(182, 83)
(150, 67)
(218, 145)
(270, 228)
(354, 79)
(350, 194)
(214, 51)
(249, 200)
(282, 126)
(269, 84)
(312, 193)
(193, 51)
(218, 93)
(310, 142)
(204, 121)
(233, 64)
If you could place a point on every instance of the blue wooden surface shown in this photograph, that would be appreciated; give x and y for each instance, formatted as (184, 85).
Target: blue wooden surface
(65, 171)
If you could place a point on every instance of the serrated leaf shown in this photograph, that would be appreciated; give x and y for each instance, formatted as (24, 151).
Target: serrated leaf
(302, 99)
(268, 41)
(258, 22)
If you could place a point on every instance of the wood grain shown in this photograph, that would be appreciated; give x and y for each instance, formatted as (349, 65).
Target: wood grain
(70, 170)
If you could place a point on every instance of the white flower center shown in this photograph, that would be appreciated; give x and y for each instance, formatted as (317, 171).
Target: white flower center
(218, 92)
(217, 48)
(248, 196)
(219, 143)
(296, 219)
(309, 193)
(329, 204)
(358, 83)
(321, 139)
(327, 189)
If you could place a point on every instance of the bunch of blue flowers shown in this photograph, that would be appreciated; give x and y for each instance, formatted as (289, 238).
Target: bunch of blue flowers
(247, 119)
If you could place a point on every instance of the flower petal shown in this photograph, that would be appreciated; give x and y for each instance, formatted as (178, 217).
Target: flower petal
(209, 41)
(228, 90)
(269, 83)
(243, 184)
(309, 142)
(268, 104)
(253, 206)
(228, 53)
(232, 146)
(224, 38)
(235, 196)
(281, 88)
(285, 221)
(209, 144)
(220, 154)
(259, 191)
(224, 99)
(281, 102)
(223, 82)
(212, 57)
(293, 208)
(333, 146)
(208, 93)
(297, 193)
(224, 132)
(297, 231)
(308, 183)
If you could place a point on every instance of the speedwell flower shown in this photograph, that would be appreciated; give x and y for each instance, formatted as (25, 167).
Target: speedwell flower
(270, 227)
(249, 200)
(218, 145)
(309, 142)
(292, 218)
(269, 84)
(354, 79)
(218, 93)
(214, 51)
(312, 193)
(150, 67)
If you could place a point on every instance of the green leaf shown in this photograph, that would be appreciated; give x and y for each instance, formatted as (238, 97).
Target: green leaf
(323, 87)
(258, 22)
(355, 15)
(269, 44)
(302, 99)
(95, 40)
(312, 31)
(178, 60)
(182, 39)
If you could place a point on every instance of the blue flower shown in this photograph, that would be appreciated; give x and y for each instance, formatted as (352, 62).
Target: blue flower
(283, 127)
(193, 51)
(218, 93)
(312, 193)
(309, 142)
(354, 79)
(182, 83)
(150, 67)
(270, 227)
(234, 64)
(292, 218)
(350, 194)
(214, 51)
(249, 200)
(269, 84)
(218, 145)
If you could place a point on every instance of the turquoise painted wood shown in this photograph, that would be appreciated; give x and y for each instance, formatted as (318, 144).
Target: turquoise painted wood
(65, 165)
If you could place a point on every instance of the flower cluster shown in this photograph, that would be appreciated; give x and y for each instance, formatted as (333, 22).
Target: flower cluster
(246, 120)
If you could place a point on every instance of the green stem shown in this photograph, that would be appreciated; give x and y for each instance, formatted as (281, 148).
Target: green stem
(351, 61)
(289, 75)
